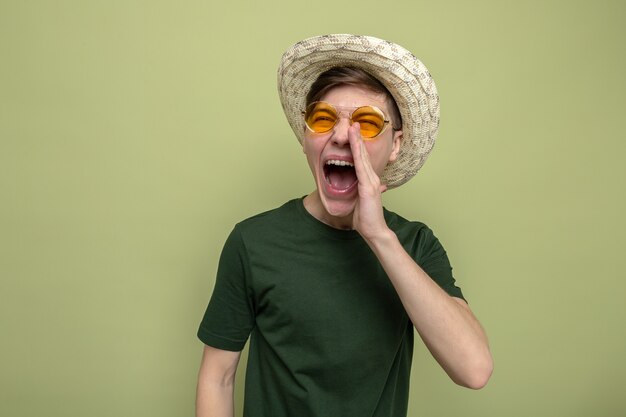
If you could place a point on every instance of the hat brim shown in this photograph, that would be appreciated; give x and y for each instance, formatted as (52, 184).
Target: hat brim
(406, 78)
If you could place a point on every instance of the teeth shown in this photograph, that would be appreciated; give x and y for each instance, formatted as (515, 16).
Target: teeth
(339, 163)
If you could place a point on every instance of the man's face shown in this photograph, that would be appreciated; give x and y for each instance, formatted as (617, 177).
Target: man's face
(337, 185)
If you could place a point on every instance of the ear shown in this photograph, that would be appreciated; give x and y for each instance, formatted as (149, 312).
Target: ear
(396, 142)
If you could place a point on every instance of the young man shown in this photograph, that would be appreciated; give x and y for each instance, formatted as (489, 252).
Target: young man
(329, 287)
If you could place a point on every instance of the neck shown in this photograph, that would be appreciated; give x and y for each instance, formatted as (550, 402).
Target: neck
(313, 204)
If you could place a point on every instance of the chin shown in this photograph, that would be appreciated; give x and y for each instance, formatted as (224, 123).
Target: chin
(339, 208)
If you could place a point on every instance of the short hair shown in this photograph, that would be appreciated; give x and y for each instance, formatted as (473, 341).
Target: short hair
(338, 76)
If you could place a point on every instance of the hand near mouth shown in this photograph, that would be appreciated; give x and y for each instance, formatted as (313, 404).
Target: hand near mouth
(367, 218)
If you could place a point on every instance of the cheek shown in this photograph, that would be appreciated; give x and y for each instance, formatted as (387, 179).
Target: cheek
(307, 148)
(379, 155)
(312, 146)
(312, 152)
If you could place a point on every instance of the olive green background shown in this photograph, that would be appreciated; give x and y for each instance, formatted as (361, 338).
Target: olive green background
(134, 134)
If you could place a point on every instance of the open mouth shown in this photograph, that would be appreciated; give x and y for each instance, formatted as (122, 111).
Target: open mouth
(340, 175)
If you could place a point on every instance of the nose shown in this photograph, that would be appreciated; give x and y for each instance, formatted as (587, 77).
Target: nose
(340, 132)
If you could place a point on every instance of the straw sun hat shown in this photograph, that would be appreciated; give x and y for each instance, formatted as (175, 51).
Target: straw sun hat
(406, 78)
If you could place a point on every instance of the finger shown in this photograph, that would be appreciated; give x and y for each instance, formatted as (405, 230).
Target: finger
(356, 146)
(362, 163)
(354, 137)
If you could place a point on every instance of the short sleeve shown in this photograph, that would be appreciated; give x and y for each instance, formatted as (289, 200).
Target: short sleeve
(433, 259)
(229, 317)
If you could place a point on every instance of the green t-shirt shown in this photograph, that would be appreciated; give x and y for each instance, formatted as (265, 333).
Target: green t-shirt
(329, 336)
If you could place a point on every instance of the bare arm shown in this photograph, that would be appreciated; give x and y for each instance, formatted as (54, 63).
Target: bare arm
(216, 381)
(446, 324)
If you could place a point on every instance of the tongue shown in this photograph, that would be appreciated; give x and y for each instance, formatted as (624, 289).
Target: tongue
(341, 178)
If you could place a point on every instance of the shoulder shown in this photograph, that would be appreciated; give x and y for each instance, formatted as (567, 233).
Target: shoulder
(273, 219)
(416, 237)
(261, 228)
(403, 227)
(421, 243)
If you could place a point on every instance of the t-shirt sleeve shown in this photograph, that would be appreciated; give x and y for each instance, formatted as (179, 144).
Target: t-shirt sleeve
(433, 259)
(229, 317)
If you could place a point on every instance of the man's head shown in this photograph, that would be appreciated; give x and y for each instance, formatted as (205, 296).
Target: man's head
(404, 77)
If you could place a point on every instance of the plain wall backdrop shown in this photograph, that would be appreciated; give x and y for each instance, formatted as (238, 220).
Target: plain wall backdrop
(135, 134)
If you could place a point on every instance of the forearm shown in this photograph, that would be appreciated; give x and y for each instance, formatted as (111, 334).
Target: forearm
(214, 399)
(446, 324)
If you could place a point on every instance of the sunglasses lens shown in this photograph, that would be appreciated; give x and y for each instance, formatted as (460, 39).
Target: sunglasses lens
(371, 120)
(320, 117)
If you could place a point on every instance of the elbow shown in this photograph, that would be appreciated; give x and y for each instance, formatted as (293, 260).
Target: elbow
(478, 375)
(478, 381)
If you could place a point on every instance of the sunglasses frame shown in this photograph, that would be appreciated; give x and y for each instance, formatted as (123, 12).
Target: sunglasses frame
(386, 122)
